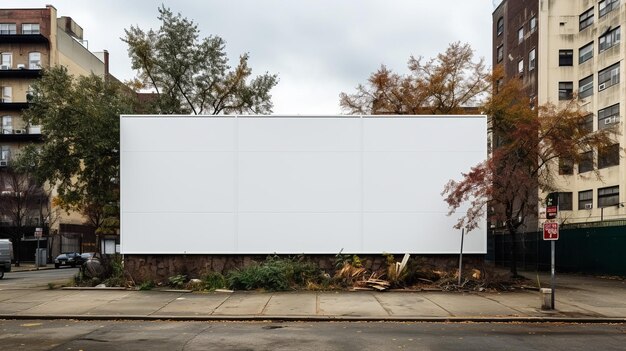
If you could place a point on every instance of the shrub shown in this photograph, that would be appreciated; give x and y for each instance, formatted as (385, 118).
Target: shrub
(147, 285)
(106, 269)
(214, 280)
(275, 274)
(177, 281)
(348, 274)
(341, 259)
(114, 270)
(395, 275)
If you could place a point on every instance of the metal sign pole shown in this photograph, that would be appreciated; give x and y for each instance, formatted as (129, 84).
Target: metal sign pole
(37, 263)
(461, 256)
(553, 248)
(551, 232)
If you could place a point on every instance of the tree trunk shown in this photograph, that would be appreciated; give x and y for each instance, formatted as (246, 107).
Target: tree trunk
(513, 233)
(17, 250)
(98, 248)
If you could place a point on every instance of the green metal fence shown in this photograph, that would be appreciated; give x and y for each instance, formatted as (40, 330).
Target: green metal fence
(598, 249)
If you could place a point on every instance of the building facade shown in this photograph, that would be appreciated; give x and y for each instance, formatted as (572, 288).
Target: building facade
(32, 39)
(564, 49)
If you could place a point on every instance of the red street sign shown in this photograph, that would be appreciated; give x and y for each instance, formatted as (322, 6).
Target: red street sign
(552, 205)
(550, 231)
(551, 212)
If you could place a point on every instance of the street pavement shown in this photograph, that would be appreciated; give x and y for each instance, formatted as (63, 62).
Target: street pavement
(34, 335)
(578, 298)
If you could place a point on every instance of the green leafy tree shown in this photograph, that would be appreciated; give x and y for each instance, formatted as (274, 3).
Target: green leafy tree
(192, 75)
(79, 155)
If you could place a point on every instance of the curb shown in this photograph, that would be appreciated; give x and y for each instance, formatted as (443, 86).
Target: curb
(115, 288)
(30, 269)
(256, 318)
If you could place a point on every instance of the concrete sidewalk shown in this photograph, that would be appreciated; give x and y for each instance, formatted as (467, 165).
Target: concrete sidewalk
(580, 299)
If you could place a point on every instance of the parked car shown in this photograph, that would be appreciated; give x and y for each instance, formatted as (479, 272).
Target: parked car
(72, 259)
(6, 254)
(87, 255)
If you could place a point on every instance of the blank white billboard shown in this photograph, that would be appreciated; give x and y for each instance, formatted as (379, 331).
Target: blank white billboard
(291, 184)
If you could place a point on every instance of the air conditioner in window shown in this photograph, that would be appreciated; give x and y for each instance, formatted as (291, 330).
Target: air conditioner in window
(588, 206)
(610, 120)
(21, 66)
(602, 86)
(4, 67)
(4, 163)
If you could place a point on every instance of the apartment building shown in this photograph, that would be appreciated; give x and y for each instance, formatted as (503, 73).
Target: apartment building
(564, 49)
(32, 39)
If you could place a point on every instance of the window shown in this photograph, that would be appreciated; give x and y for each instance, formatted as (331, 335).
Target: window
(533, 24)
(586, 19)
(7, 125)
(606, 6)
(500, 26)
(34, 60)
(8, 28)
(608, 196)
(532, 55)
(607, 117)
(520, 67)
(609, 39)
(30, 94)
(5, 153)
(566, 166)
(585, 53)
(6, 60)
(565, 201)
(499, 53)
(587, 123)
(586, 162)
(608, 156)
(566, 89)
(30, 28)
(7, 94)
(608, 77)
(585, 87)
(585, 200)
(520, 35)
(566, 57)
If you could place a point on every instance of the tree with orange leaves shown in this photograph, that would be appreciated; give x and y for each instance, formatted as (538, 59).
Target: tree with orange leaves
(527, 144)
(447, 84)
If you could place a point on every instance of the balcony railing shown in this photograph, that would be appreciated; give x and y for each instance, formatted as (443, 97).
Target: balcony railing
(24, 38)
(12, 106)
(17, 135)
(19, 73)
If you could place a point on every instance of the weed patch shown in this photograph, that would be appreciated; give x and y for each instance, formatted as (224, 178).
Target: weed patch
(276, 274)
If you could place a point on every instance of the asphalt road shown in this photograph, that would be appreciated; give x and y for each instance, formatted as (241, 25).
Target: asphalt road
(153, 336)
(36, 279)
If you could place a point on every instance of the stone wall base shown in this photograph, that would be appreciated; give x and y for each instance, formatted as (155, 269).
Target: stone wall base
(159, 267)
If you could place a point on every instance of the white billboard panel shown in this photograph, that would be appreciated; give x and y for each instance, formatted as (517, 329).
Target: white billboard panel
(287, 184)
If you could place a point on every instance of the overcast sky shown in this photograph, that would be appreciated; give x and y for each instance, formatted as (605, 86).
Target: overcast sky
(318, 48)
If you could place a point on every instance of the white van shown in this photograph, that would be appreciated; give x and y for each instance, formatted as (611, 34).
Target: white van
(6, 255)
